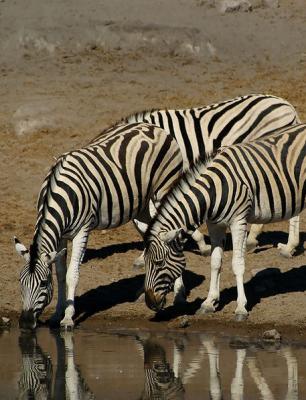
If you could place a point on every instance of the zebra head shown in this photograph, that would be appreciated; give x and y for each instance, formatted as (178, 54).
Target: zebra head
(36, 283)
(36, 370)
(164, 263)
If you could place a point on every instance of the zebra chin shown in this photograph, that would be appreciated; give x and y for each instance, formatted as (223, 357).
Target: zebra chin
(155, 301)
(27, 320)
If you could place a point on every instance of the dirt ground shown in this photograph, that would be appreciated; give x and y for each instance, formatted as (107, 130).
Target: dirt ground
(68, 71)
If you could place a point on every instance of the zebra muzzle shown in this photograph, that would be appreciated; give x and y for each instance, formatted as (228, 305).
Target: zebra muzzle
(154, 301)
(27, 320)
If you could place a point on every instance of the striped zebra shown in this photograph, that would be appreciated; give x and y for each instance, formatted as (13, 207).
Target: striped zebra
(36, 370)
(160, 381)
(259, 182)
(78, 191)
(102, 185)
(201, 131)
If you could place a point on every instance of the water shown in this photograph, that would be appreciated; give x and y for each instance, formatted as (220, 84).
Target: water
(90, 365)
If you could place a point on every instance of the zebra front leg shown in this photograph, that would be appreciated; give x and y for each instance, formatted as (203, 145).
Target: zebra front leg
(179, 291)
(288, 250)
(239, 238)
(198, 237)
(217, 238)
(252, 241)
(61, 269)
(79, 244)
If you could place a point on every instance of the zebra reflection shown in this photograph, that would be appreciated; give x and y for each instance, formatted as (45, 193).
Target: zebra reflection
(167, 380)
(37, 373)
(160, 380)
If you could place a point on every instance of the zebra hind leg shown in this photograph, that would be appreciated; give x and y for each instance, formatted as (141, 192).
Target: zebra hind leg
(252, 241)
(204, 248)
(288, 250)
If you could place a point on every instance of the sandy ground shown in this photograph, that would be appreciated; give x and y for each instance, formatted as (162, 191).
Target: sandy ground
(68, 71)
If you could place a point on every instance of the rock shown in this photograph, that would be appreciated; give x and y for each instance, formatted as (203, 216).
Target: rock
(271, 336)
(271, 3)
(5, 322)
(180, 322)
(228, 6)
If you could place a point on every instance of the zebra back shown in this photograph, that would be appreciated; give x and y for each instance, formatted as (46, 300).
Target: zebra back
(107, 182)
(202, 130)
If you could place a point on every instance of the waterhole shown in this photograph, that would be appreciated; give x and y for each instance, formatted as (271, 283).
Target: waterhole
(93, 365)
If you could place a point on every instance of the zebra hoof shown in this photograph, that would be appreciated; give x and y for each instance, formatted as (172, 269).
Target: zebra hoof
(241, 317)
(67, 324)
(285, 250)
(206, 310)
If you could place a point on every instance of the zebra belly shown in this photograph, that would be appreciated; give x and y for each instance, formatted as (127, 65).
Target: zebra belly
(265, 215)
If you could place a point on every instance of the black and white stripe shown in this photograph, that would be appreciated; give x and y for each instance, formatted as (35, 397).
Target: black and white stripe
(259, 182)
(102, 185)
(36, 370)
(201, 131)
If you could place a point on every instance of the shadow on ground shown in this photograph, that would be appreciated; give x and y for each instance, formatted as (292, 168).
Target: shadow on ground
(266, 283)
(122, 291)
(266, 240)
(109, 250)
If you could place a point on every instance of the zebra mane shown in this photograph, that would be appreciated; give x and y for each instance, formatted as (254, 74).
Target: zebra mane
(135, 116)
(41, 210)
(182, 184)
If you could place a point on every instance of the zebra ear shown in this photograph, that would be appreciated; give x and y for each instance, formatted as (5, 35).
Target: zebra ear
(169, 236)
(141, 226)
(21, 249)
(53, 256)
(152, 209)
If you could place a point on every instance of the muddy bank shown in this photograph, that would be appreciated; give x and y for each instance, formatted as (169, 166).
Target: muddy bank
(61, 85)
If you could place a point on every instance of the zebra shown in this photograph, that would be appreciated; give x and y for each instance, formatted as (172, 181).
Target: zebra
(37, 380)
(201, 131)
(120, 204)
(102, 185)
(259, 182)
(160, 381)
(36, 372)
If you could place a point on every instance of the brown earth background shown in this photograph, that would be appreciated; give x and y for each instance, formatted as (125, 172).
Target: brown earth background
(70, 69)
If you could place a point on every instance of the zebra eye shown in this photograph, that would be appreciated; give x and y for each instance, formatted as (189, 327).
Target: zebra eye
(158, 263)
(43, 284)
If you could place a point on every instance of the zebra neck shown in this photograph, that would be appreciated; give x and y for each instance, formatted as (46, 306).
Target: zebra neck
(186, 207)
(45, 241)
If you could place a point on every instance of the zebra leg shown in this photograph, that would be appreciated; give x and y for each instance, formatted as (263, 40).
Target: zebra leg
(252, 241)
(198, 237)
(288, 250)
(72, 278)
(239, 237)
(61, 269)
(179, 291)
(237, 382)
(217, 237)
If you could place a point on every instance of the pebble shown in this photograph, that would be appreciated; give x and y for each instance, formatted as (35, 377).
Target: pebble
(271, 3)
(228, 6)
(180, 322)
(5, 322)
(271, 335)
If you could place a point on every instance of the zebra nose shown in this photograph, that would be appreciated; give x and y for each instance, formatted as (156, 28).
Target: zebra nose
(154, 302)
(27, 320)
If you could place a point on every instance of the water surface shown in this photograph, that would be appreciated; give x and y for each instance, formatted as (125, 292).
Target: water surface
(91, 365)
